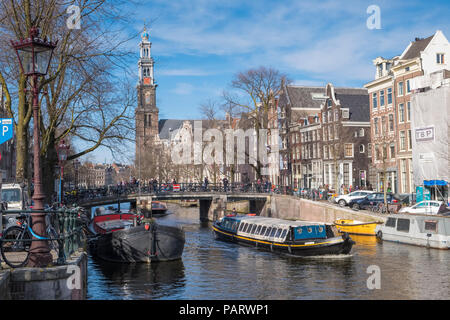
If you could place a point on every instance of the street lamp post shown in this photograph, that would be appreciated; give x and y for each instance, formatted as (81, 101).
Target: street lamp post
(76, 165)
(63, 150)
(34, 56)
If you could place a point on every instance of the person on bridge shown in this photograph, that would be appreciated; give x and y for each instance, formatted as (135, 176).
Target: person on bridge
(225, 184)
(234, 212)
(206, 183)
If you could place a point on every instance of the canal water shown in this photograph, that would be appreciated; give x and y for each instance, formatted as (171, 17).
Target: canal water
(216, 270)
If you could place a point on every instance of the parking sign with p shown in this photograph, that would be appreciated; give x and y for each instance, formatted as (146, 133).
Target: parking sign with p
(6, 130)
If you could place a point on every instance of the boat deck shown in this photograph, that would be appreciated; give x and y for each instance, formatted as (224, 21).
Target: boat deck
(114, 224)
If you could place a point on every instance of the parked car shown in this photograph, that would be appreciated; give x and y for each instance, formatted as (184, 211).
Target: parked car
(373, 200)
(426, 207)
(344, 199)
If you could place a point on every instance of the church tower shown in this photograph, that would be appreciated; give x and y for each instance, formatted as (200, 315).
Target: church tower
(146, 114)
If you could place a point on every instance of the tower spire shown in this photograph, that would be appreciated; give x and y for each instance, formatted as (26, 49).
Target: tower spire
(146, 62)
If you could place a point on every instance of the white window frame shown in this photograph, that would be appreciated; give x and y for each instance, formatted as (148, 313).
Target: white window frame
(387, 96)
(408, 86)
(389, 122)
(382, 99)
(400, 120)
(401, 92)
(402, 145)
(345, 150)
(408, 113)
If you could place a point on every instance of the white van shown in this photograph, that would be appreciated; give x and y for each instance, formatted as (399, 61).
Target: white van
(13, 194)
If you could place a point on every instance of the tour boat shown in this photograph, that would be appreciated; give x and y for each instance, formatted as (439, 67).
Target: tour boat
(431, 231)
(296, 238)
(356, 227)
(124, 237)
(159, 208)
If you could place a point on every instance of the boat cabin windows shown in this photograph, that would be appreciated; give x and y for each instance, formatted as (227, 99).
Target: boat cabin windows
(269, 230)
(253, 229)
(391, 222)
(283, 234)
(263, 231)
(258, 230)
(273, 232)
(403, 225)
(431, 225)
(241, 227)
(234, 226)
(278, 233)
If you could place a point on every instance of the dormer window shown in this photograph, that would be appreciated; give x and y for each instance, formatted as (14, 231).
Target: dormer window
(380, 69)
(388, 66)
(440, 58)
(329, 103)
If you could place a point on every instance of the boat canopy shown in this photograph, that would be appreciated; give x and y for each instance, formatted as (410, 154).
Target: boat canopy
(301, 229)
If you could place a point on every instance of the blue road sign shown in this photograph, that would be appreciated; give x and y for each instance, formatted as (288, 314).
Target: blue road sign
(6, 130)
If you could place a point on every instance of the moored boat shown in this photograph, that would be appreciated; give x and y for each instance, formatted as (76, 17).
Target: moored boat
(189, 203)
(296, 238)
(158, 208)
(125, 237)
(356, 227)
(431, 231)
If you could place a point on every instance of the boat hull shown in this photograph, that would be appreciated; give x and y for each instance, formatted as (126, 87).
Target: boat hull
(137, 244)
(330, 246)
(358, 228)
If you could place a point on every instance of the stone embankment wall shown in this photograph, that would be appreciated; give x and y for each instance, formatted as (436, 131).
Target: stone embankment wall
(53, 283)
(293, 208)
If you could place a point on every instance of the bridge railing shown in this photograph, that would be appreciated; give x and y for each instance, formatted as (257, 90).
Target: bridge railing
(162, 188)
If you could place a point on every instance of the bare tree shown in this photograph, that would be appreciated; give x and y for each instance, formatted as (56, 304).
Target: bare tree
(82, 97)
(255, 93)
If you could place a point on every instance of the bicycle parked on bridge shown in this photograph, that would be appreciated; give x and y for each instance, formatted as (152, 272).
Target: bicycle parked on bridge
(16, 240)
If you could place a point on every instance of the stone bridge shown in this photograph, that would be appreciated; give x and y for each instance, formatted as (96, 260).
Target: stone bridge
(213, 205)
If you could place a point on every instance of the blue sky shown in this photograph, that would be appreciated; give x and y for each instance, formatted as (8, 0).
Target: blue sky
(199, 45)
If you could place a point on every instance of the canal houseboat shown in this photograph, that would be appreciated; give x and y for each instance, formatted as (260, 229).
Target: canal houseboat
(357, 227)
(295, 238)
(431, 231)
(125, 237)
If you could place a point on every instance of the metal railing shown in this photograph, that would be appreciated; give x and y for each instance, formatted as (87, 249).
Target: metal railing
(162, 188)
(66, 225)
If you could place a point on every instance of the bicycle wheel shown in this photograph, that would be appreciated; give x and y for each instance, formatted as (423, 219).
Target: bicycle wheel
(15, 253)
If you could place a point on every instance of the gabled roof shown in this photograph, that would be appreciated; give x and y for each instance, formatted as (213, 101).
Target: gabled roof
(415, 48)
(302, 97)
(166, 126)
(357, 101)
